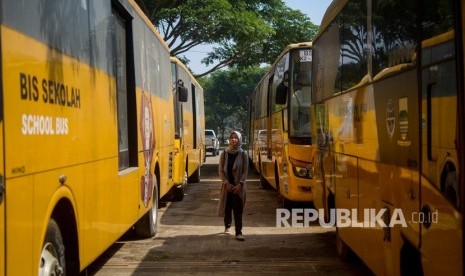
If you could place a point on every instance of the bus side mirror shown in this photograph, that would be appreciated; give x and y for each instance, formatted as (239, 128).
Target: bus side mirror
(182, 92)
(281, 94)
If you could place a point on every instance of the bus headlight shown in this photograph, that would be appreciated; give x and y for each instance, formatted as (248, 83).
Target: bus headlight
(302, 169)
(301, 172)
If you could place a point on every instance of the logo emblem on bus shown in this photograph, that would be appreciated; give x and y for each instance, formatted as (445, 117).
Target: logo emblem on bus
(390, 118)
(403, 118)
(403, 122)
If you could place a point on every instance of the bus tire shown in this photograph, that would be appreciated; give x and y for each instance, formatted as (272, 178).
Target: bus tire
(263, 183)
(276, 179)
(251, 162)
(343, 250)
(331, 203)
(178, 194)
(195, 177)
(286, 203)
(147, 225)
(52, 258)
(449, 184)
(410, 260)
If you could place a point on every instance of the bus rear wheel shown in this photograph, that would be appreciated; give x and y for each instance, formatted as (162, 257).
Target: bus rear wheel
(344, 251)
(52, 258)
(286, 203)
(179, 191)
(195, 177)
(147, 226)
(263, 183)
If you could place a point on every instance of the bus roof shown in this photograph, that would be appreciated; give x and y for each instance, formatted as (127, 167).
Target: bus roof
(438, 39)
(333, 10)
(290, 47)
(287, 49)
(149, 24)
(180, 63)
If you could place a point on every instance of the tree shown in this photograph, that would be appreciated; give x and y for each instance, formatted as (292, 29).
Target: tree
(246, 32)
(228, 93)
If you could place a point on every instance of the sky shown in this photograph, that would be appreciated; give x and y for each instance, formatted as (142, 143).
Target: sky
(314, 9)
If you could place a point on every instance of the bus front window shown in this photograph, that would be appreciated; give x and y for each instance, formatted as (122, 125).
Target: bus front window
(300, 87)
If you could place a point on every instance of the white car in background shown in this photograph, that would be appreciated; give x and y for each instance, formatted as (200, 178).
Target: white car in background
(211, 142)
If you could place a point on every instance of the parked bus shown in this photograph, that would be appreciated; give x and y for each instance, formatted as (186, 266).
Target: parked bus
(387, 76)
(86, 136)
(189, 128)
(281, 123)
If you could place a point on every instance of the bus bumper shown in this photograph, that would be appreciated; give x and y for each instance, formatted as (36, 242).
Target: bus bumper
(297, 189)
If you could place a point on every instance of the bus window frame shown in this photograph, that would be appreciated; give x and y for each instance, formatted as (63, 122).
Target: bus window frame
(290, 88)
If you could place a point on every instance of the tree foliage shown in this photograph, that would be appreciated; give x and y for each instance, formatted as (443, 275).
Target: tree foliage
(246, 32)
(228, 93)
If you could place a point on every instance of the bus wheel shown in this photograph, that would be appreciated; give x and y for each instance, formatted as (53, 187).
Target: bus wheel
(256, 166)
(286, 203)
(195, 177)
(410, 260)
(344, 252)
(449, 184)
(146, 227)
(179, 191)
(330, 207)
(52, 258)
(263, 183)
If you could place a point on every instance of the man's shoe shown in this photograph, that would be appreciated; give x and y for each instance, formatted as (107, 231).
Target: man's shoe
(227, 230)
(240, 238)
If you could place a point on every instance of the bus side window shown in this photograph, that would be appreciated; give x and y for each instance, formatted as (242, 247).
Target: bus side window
(439, 89)
(127, 118)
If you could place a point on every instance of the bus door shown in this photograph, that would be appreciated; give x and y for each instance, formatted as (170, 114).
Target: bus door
(2, 200)
(460, 11)
(178, 113)
(179, 120)
(267, 166)
(2, 194)
(439, 216)
(195, 117)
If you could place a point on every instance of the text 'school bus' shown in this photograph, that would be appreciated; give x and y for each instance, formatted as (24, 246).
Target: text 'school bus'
(86, 131)
(281, 123)
(388, 94)
(189, 128)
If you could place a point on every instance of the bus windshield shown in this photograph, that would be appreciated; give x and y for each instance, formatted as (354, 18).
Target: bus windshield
(301, 89)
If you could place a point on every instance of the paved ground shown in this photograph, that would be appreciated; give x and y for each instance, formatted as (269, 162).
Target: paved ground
(190, 240)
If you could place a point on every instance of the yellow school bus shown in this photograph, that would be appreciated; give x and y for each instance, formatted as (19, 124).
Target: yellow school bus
(87, 131)
(386, 79)
(280, 125)
(189, 128)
